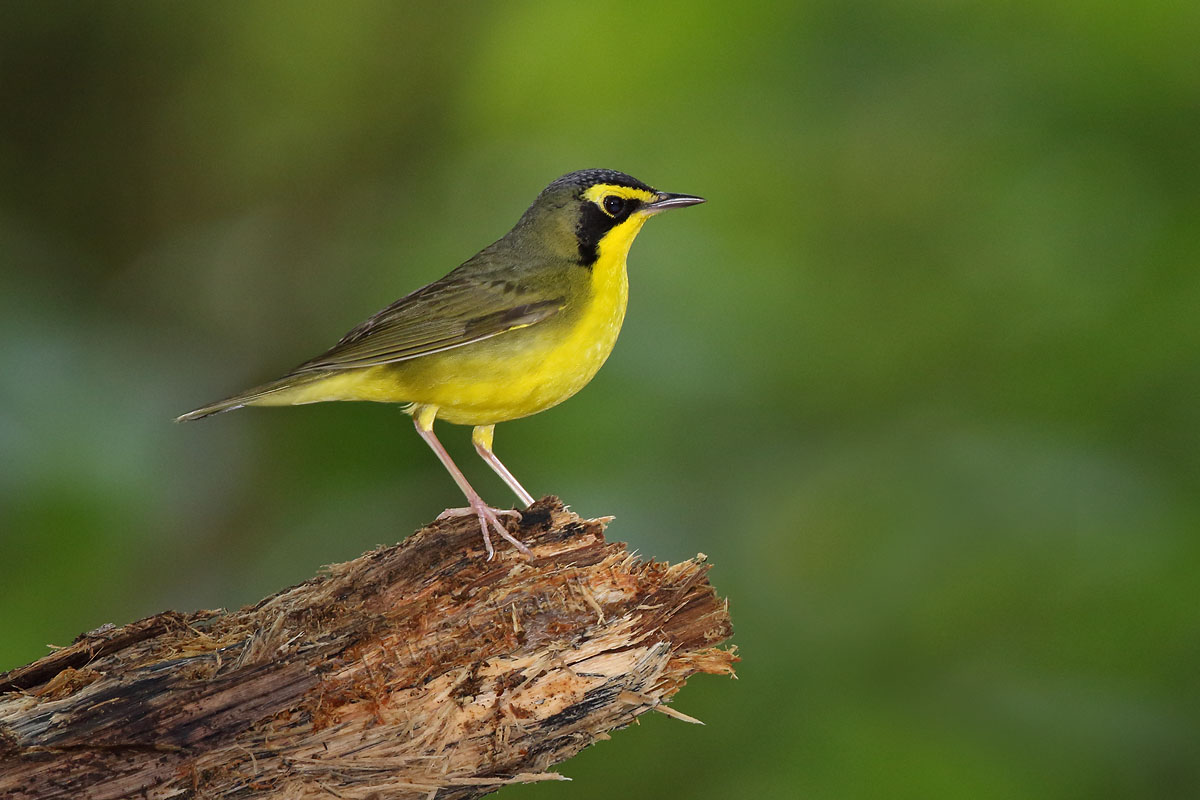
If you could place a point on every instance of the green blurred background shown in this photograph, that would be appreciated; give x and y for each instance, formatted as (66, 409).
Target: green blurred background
(921, 378)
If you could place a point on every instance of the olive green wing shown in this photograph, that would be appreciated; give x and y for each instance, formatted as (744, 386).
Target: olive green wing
(449, 313)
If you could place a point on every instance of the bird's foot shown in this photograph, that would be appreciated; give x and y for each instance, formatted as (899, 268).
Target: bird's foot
(468, 511)
(489, 518)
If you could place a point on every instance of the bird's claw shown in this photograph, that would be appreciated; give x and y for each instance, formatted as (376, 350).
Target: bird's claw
(454, 513)
(490, 518)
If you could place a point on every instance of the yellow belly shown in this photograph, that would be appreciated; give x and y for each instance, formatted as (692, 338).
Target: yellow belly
(518, 373)
(512, 375)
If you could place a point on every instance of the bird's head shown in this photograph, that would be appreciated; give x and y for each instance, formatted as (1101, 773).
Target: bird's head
(597, 212)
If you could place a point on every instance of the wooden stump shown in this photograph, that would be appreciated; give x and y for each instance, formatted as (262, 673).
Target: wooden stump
(414, 671)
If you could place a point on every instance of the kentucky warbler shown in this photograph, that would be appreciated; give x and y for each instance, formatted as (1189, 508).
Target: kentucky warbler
(518, 328)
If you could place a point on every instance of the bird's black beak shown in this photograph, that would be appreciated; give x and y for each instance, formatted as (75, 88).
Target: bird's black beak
(667, 200)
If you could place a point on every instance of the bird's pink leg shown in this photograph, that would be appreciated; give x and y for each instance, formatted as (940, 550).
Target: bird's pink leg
(488, 517)
(481, 437)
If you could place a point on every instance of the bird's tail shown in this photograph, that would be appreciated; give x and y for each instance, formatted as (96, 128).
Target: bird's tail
(259, 395)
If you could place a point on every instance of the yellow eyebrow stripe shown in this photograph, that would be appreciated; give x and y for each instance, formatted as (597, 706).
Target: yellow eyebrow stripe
(601, 190)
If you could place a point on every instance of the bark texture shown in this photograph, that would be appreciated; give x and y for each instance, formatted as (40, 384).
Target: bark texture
(414, 671)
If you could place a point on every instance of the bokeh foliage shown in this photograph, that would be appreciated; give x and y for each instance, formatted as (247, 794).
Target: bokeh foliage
(921, 378)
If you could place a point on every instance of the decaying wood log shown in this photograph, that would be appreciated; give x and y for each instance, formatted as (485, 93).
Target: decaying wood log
(418, 670)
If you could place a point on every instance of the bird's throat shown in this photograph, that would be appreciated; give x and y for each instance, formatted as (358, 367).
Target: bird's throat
(610, 281)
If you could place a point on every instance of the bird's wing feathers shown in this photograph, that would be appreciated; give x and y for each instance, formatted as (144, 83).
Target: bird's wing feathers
(448, 313)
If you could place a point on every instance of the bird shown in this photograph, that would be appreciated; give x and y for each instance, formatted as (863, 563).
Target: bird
(519, 327)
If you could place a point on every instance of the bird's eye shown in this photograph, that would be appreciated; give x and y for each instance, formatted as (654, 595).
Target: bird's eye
(613, 205)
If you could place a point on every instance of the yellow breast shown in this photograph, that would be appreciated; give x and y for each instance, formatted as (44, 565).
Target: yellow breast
(523, 372)
(508, 376)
